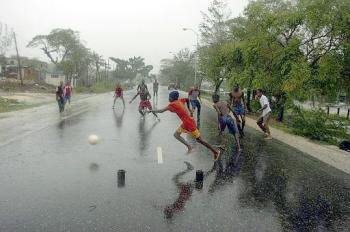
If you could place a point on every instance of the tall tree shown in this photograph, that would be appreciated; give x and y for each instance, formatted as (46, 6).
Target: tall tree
(179, 69)
(6, 39)
(214, 28)
(57, 45)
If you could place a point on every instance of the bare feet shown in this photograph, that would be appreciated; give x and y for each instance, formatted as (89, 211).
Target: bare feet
(189, 149)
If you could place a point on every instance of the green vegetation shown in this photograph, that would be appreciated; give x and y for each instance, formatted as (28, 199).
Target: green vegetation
(7, 105)
(288, 48)
(317, 125)
(294, 50)
(100, 87)
(129, 69)
(28, 86)
(179, 69)
(68, 53)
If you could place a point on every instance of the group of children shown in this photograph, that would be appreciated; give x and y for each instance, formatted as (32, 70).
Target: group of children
(184, 108)
(63, 95)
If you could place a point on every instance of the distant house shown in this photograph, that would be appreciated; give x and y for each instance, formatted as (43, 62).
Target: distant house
(11, 69)
(53, 75)
(30, 68)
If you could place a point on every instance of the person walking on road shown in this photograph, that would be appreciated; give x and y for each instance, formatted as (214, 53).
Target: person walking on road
(68, 91)
(118, 93)
(142, 87)
(188, 125)
(155, 89)
(60, 97)
(194, 95)
(239, 107)
(223, 109)
(263, 121)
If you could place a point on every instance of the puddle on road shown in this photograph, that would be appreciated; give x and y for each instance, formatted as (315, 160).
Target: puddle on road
(303, 193)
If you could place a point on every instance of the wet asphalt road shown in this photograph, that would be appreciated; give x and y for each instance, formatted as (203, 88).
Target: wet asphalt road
(53, 180)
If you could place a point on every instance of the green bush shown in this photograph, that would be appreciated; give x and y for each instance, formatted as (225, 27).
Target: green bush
(317, 125)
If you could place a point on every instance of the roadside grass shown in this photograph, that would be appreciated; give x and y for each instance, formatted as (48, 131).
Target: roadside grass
(13, 85)
(7, 105)
(99, 87)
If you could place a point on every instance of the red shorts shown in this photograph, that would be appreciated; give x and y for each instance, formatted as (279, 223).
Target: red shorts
(145, 104)
(119, 94)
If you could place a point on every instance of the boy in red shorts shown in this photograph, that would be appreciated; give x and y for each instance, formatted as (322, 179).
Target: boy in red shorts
(118, 94)
(188, 125)
(145, 96)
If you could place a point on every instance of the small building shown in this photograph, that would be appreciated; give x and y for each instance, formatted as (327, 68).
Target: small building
(54, 77)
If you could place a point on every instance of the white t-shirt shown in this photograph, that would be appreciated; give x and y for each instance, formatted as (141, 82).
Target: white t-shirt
(194, 95)
(264, 101)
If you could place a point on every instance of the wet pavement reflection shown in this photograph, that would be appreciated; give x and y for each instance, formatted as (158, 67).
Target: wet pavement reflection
(54, 180)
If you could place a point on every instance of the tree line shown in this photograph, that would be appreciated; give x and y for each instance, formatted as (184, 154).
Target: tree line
(179, 69)
(293, 49)
(64, 48)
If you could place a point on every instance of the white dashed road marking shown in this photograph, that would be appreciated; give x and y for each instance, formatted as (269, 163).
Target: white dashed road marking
(160, 155)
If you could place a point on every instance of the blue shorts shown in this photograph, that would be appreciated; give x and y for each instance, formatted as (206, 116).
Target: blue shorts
(195, 104)
(239, 109)
(229, 122)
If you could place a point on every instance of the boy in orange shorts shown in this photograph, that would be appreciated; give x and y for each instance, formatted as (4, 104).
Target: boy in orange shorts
(188, 125)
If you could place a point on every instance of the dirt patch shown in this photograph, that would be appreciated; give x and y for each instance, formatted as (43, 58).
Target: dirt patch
(13, 85)
(29, 98)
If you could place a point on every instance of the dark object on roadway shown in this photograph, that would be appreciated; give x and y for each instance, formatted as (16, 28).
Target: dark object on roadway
(345, 145)
(199, 176)
(121, 178)
(199, 185)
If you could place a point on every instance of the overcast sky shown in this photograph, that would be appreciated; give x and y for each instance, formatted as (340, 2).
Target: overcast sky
(119, 28)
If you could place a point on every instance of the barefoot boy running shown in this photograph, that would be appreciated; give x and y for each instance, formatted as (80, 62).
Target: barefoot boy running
(188, 125)
(223, 110)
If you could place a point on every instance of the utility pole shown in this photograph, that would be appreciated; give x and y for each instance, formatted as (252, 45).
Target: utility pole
(18, 59)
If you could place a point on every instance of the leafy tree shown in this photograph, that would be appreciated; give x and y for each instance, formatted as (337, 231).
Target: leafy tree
(128, 69)
(57, 45)
(97, 61)
(64, 49)
(6, 38)
(179, 69)
(298, 49)
(5, 42)
(214, 28)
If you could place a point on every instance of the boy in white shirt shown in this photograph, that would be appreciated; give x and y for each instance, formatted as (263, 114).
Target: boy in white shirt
(263, 121)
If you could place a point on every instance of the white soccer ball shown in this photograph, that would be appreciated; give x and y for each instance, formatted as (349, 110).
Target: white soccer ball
(93, 139)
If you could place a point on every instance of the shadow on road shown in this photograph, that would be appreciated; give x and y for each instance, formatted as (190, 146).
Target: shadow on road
(119, 117)
(144, 134)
